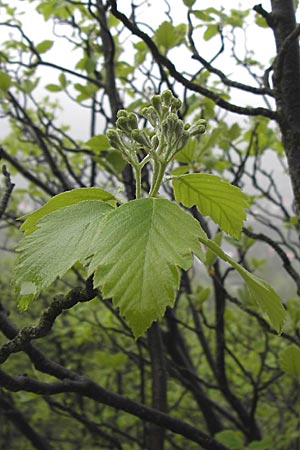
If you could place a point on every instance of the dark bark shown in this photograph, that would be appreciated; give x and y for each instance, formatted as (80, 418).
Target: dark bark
(20, 422)
(286, 81)
(156, 435)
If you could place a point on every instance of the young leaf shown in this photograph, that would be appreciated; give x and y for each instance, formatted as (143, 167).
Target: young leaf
(214, 197)
(98, 143)
(5, 81)
(64, 199)
(53, 87)
(44, 46)
(62, 238)
(168, 36)
(261, 293)
(289, 360)
(136, 262)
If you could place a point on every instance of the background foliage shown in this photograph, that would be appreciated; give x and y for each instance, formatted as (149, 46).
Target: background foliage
(213, 373)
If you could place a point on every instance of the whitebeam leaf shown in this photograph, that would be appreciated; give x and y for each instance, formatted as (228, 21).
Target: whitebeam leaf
(62, 200)
(261, 293)
(136, 262)
(214, 197)
(61, 239)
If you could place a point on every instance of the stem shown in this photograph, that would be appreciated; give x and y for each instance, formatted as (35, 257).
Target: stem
(138, 182)
(159, 171)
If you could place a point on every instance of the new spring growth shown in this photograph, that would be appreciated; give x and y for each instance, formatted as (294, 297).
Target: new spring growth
(168, 137)
(170, 133)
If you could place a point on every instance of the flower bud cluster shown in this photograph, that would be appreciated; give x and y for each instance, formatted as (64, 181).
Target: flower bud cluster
(170, 133)
(121, 137)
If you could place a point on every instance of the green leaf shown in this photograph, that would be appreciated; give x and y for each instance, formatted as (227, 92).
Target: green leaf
(5, 81)
(214, 197)
(98, 143)
(232, 439)
(63, 80)
(44, 46)
(289, 360)
(260, 292)
(64, 199)
(136, 262)
(62, 238)
(210, 32)
(168, 36)
(53, 87)
(265, 444)
(210, 256)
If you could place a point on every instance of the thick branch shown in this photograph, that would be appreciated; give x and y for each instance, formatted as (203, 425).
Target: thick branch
(91, 390)
(164, 61)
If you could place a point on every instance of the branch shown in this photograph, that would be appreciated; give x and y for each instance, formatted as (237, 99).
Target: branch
(282, 255)
(28, 175)
(91, 390)
(26, 334)
(8, 190)
(20, 422)
(267, 16)
(248, 111)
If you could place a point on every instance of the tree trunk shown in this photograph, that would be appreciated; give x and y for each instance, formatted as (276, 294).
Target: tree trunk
(286, 81)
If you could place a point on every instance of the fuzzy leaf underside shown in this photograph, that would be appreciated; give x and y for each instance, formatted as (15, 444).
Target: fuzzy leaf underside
(261, 293)
(62, 238)
(136, 262)
(61, 201)
(214, 197)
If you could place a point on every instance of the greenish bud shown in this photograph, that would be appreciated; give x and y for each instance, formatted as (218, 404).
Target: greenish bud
(150, 114)
(122, 123)
(156, 102)
(182, 141)
(132, 121)
(198, 127)
(186, 126)
(114, 139)
(122, 113)
(167, 97)
(172, 128)
(164, 110)
(176, 105)
(141, 137)
(154, 142)
(178, 128)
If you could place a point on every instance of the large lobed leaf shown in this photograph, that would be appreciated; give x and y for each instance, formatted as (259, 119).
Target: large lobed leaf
(136, 262)
(62, 200)
(62, 238)
(214, 197)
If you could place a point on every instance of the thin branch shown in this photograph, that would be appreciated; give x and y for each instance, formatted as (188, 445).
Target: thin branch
(8, 190)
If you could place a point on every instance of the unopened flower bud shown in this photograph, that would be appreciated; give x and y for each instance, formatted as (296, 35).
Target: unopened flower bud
(122, 123)
(122, 113)
(176, 105)
(154, 142)
(141, 137)
(156, 102)
(198, 127)
(150, 114)
(114, 139)
(167, 97)
(132, 121)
